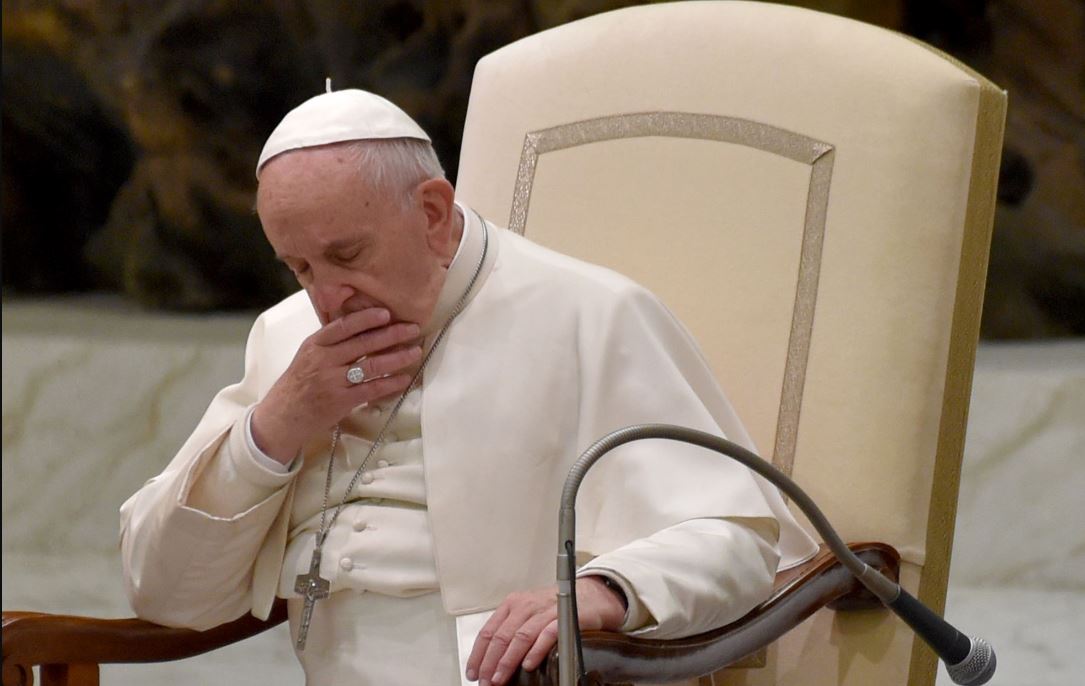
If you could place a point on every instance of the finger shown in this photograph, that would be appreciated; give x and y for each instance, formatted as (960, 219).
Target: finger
(375, 340)
(351, 325)
(546, 641)
(482, 641)
(378, 389)
(522, 612)
(523, 639)
(498, 642)
(384, 364)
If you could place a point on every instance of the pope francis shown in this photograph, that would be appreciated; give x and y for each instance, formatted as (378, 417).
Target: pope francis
(392, 460)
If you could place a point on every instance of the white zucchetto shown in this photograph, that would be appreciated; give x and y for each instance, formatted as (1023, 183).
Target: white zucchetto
(337, 117)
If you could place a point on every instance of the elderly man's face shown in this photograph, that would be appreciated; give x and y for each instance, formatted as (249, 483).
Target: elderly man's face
(349, 245)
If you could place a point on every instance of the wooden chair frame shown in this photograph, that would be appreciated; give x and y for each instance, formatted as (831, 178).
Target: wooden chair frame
(69, 649)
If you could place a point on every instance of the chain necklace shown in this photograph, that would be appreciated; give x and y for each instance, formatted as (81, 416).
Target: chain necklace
(311, 585)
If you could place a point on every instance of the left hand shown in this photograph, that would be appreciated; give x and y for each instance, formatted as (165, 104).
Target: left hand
(524, 628)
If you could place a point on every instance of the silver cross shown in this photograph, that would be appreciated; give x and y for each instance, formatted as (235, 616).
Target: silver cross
(313, 588)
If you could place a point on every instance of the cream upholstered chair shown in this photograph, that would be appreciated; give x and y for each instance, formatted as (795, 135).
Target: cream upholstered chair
(813, 197)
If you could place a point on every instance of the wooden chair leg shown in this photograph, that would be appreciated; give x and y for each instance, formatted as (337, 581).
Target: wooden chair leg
(69, 675)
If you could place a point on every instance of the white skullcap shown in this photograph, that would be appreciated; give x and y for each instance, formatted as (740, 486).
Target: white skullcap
(337, 117)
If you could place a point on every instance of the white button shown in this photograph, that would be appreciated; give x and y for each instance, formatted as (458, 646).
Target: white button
(346, 564)
(373, 411)
(383, 464)
(359, 525)
(367, 478)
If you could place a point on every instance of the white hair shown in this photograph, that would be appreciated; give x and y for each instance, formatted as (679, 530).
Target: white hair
(396, 165)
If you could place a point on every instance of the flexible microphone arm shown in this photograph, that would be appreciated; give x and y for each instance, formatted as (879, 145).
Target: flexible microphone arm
(970, 661)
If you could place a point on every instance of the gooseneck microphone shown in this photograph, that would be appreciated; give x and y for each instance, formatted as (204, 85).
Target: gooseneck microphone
(970, 661)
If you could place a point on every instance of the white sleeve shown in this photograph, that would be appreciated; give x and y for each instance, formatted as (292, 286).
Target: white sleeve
(191, 535)
(237, 477)
(694, 576)
(264, 460)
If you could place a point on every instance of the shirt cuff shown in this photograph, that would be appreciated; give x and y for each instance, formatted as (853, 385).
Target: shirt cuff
(636, 615)
(228, 480)
(262, 458)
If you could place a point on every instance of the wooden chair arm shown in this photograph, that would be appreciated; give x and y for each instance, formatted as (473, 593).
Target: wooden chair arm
(799, 592)
(34, 638)
(59, 641)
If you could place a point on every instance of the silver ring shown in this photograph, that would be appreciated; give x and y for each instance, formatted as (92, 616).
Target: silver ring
(356, 375)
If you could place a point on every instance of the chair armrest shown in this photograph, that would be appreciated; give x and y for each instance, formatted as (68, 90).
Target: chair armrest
(799, 592)
(34, 638)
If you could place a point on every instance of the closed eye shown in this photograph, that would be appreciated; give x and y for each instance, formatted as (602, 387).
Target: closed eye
(346, 251)
(347, 256)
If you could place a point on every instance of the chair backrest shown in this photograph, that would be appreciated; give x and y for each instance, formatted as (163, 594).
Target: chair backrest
(813, 197)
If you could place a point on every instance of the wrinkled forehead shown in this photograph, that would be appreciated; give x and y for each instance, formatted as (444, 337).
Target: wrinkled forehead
(317, 194)
(325, 172)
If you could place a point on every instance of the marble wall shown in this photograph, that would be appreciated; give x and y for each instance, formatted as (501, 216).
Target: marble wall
(98, 395)
(1018, 572)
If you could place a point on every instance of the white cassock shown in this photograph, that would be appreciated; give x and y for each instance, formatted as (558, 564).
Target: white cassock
(549, 355)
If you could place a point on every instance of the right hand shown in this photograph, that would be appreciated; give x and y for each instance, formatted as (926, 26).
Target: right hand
(313, 394)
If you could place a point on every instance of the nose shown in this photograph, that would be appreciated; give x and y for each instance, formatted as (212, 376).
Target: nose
(329, 295)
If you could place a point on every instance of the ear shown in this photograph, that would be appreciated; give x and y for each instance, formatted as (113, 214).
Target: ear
(437, 199)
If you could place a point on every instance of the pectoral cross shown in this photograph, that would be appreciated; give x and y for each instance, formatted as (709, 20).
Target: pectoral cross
(313, 588)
